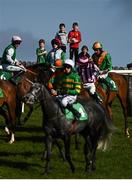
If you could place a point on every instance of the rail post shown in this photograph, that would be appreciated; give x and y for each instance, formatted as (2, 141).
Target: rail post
(129, 66)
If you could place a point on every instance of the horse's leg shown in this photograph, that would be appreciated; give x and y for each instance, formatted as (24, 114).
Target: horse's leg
(109, 109)
(108, 103)
(87, 146)
(6, 117)
(28, 114)
(76, 141)
(93, 155)
(12, 120)
(62, 155)
(48, 146)
(67, 151)
(19, 112)
(123, 101)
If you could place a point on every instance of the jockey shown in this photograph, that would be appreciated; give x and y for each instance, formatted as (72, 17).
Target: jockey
(56, 52)
(88, 71)
(103, 60)
(9, 61)
(70, 86)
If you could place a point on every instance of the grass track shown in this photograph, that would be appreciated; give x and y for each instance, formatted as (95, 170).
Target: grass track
(23, 158)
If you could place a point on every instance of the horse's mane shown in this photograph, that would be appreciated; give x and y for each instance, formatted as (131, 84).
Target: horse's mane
(36, 66)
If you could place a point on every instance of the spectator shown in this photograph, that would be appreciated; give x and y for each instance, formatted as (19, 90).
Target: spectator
(74, 38)
(55, 53)
(41, 52)
(62, 35)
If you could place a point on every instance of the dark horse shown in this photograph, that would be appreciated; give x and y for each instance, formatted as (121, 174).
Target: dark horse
(109, 96)
(10, 103)
(96, 130)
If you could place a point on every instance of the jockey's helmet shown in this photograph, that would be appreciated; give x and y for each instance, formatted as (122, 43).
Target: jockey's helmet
(58, 63)
(69, 62)
(16, 39)
(97, 45)
(56, 41)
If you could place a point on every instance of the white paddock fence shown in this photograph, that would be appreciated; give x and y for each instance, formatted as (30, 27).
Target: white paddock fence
(124, 72)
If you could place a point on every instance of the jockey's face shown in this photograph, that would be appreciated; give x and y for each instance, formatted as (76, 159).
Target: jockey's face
(97, 51)
(67, 69)
(16, 44)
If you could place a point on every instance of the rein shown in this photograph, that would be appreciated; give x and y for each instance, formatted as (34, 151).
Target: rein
(29, 81)
(31, 72)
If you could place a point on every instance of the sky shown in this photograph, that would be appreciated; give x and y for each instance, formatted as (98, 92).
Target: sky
(107, 21)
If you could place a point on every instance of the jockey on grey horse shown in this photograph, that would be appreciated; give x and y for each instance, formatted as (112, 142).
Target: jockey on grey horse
(9, 62)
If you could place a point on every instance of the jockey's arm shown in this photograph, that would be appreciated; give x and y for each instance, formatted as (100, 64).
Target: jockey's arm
(51, 87)
(9, 55)
(104, 71)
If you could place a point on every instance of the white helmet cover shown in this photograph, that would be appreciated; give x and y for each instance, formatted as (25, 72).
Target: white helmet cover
(16, 38)
(70, 62)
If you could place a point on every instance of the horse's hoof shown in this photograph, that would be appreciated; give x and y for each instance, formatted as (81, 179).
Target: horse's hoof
(11, 142)
(128, 136)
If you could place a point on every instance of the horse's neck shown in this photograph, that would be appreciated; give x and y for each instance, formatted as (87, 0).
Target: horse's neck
(50, 108)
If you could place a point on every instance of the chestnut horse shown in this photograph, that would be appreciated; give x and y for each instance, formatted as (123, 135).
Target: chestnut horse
(10, 102)
(108, 96)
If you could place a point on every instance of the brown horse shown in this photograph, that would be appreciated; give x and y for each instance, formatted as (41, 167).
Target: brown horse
(109, 96)
(10, 103)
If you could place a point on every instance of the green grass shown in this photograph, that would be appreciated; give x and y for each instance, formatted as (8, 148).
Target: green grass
(23, 158)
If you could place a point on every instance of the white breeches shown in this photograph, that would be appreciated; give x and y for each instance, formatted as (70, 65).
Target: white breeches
(69, 99)
(91, 87)
(12, 68)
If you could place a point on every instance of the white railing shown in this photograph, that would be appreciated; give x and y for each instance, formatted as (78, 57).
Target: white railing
(125, 72)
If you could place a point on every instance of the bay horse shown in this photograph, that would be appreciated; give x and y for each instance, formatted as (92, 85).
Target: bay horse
(97, 129)
(108, 97)
(10, 103)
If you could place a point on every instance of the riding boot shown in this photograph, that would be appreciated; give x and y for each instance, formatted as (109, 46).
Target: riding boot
(14, 78)
(110, 83)
(73, 110)
(97, 98)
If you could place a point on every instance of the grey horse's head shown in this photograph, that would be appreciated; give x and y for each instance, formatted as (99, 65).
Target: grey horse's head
(34, 95)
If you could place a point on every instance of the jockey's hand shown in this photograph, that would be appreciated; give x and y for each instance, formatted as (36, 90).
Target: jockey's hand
(104, 72)
(20, 65)
(17, 63)
(53, 92)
